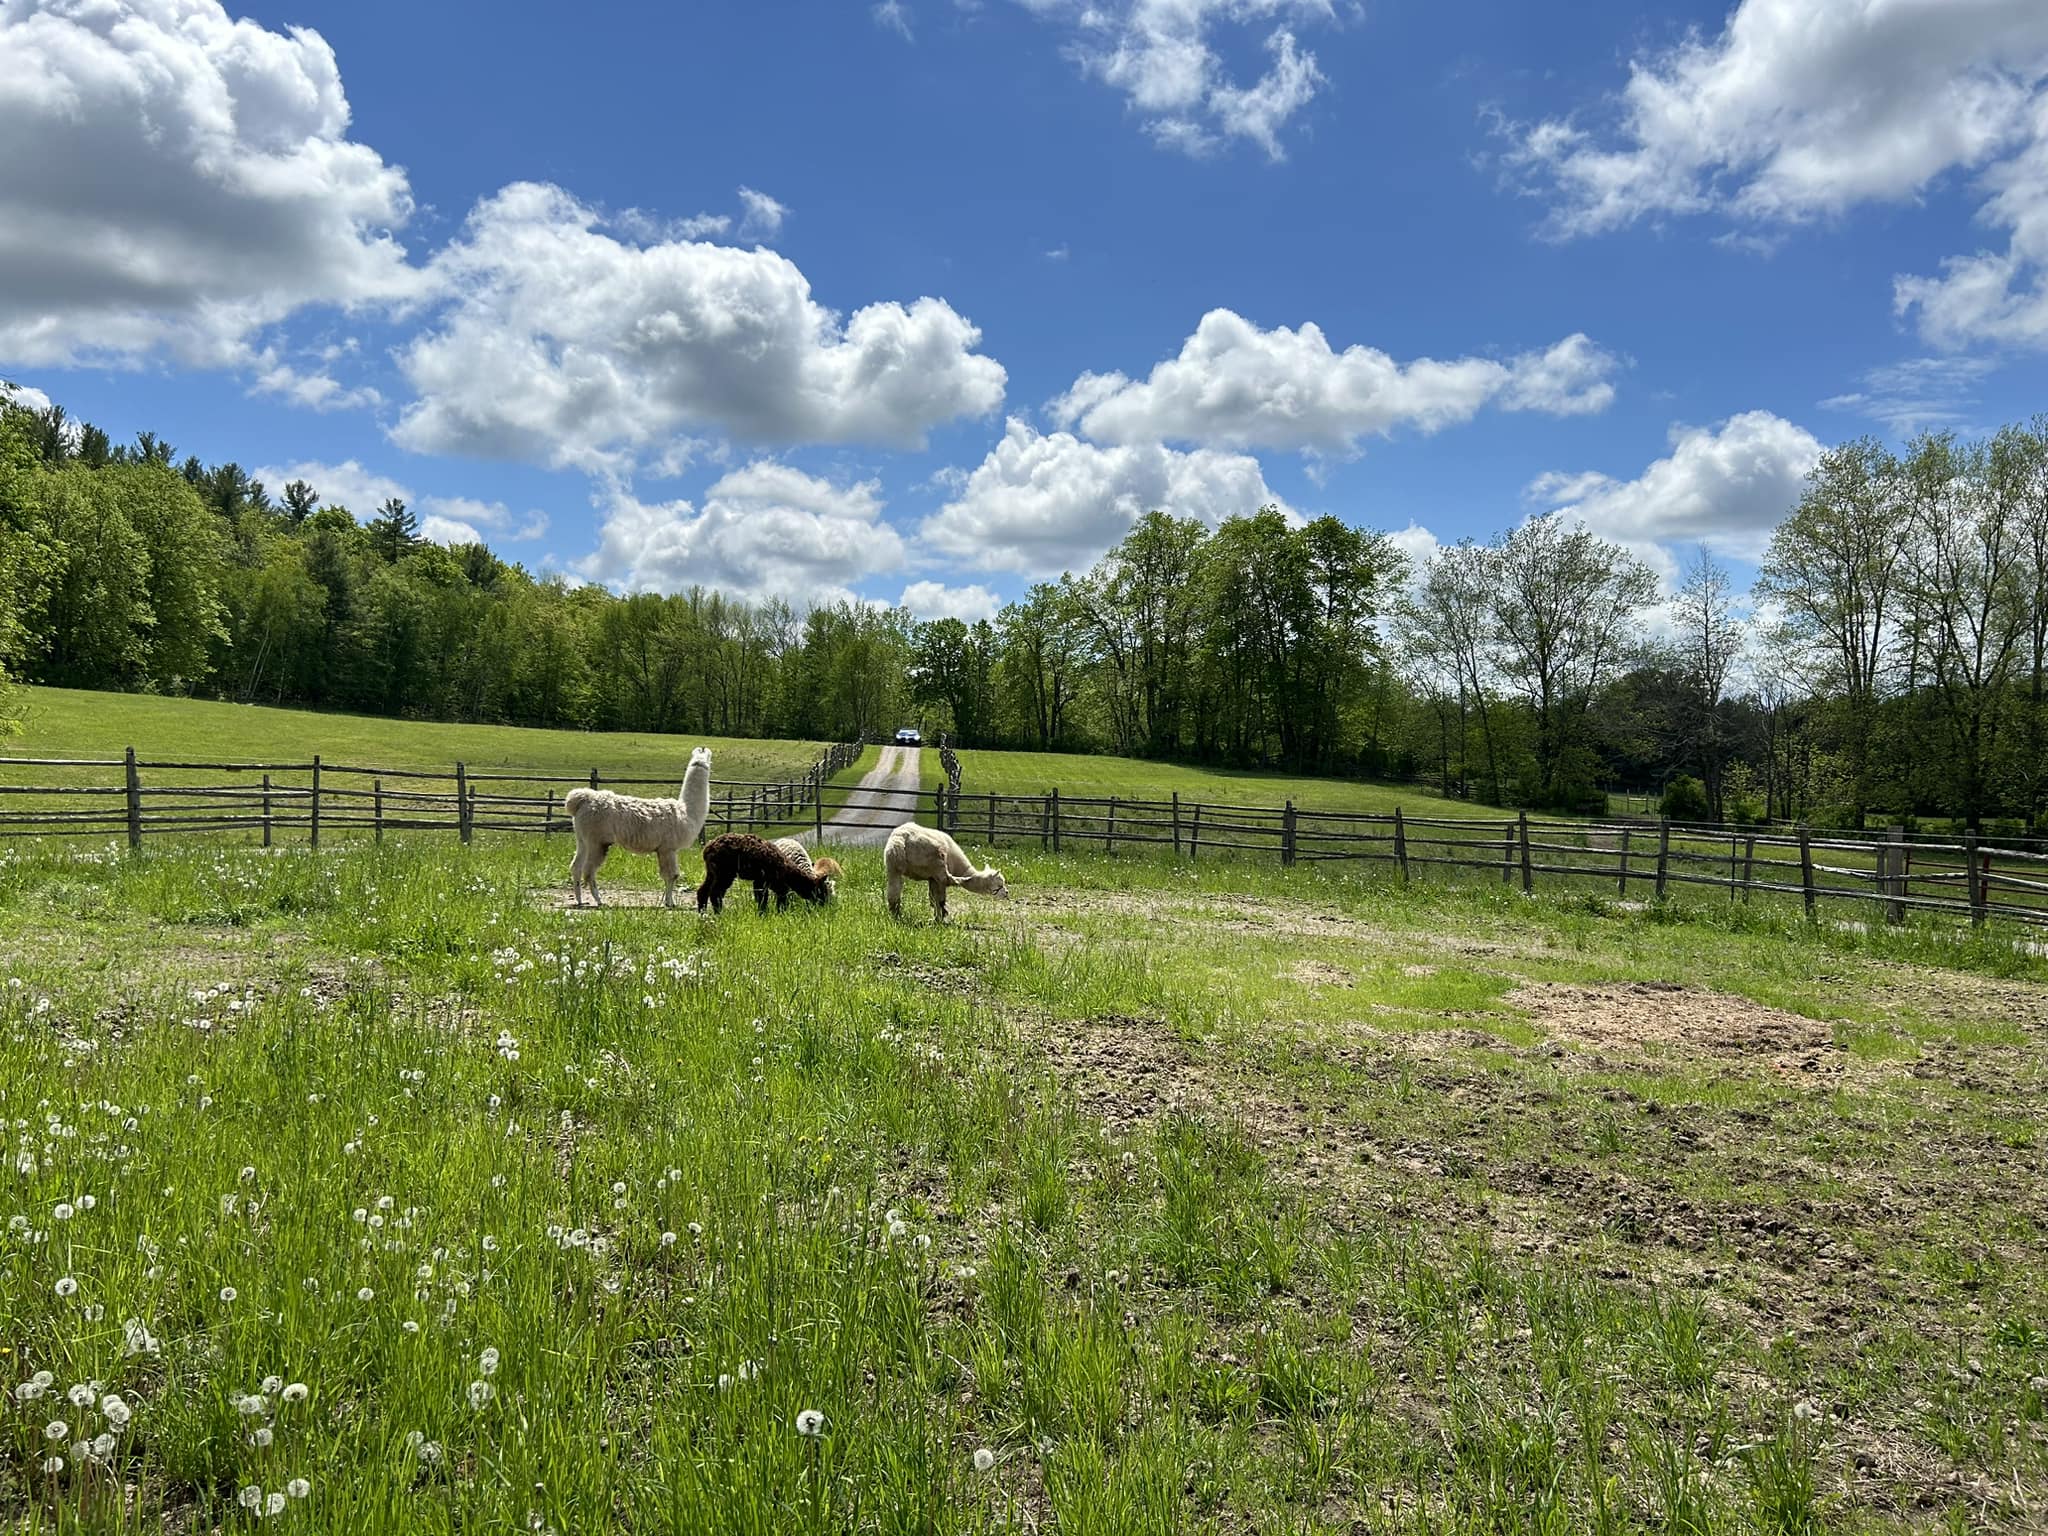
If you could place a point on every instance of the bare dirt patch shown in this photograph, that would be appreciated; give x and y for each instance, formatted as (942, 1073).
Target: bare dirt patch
(1693, 1025)
(1320, 973)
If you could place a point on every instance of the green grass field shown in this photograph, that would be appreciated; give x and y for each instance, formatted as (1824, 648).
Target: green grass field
(66, 723)
(1077, 774)
(372, 1186)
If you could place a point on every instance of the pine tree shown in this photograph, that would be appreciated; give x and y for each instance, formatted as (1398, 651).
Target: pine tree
(394, 531)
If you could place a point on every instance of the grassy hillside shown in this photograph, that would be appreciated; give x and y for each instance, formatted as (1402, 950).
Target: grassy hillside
(66, 723)
(1081, 774)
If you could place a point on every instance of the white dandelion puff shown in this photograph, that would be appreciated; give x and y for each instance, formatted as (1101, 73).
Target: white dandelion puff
(810, 1423)
(984, 1460)
(296, 1392)
(298, 1487)
(480, 1393)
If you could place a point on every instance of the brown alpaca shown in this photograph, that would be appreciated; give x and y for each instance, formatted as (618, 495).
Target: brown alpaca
(736, 855)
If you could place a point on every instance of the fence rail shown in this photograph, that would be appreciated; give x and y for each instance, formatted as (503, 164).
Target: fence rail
(1886, 875)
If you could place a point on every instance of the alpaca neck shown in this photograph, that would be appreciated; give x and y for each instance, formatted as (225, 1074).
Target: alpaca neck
(696, 792)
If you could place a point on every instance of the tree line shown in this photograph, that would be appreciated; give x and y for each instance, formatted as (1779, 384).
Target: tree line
(1888, 664)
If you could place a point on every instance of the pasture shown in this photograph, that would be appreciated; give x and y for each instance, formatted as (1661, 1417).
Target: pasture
(1081, 775)
(63, 722)
(371, 1188)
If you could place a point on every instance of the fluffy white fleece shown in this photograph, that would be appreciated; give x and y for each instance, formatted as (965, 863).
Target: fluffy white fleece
(604, 821)
(923, 853)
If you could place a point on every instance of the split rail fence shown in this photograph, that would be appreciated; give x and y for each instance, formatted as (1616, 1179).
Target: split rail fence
(1885, 875)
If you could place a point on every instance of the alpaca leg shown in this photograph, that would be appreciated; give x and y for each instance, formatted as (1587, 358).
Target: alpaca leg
(591, 866)
(938, 900)
(761, 897)
(576, 875)
(895, 894)
(671, 873)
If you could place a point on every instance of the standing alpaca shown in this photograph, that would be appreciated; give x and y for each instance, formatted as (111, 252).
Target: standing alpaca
(663, 828)
(919, 853)
(734, 855)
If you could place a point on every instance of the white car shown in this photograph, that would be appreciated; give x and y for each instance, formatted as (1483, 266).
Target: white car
(909, 738)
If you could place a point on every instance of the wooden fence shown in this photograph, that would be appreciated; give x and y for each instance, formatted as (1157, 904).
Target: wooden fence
(1886, 875)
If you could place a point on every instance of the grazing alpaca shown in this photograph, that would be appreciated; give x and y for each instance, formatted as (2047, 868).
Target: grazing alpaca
(741, 855)
(663, 828)
(919, 853)
(794, 850)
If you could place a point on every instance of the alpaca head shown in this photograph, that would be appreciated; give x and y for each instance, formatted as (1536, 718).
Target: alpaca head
(826, 869)
(989, 882)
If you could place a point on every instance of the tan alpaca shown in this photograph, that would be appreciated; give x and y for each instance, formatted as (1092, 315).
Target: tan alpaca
(920, 853)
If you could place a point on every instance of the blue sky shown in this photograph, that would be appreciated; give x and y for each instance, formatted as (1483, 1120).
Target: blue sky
(922, 301)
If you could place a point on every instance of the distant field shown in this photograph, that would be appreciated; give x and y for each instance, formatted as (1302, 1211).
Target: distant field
(1077, 774)
(67, 723)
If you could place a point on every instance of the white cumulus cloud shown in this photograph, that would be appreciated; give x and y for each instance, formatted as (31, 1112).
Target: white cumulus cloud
(1164, 56)
(1798, 109)
(936, 600)
(1237, 386)
(443, 519)
(1725, 487)
(175, 180)
(764, 530)
(565, 346)
(1041, 503)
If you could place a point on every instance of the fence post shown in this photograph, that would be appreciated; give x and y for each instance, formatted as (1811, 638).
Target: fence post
(266, 810)
(991, 818)
(1748, 864)
(1663, 851)
(818, 810)
(313, 814)
(1621, 880)
(134, 804)
(1507, 854)
(593, 778)
(728, 810)
(1806, 869)
(1287, 836)
(547, 815)
(1401, 844)
(1109, 843)
(1055, 819)
(462, 806)
(1195, 834)
(1045, 823)
(1528, 875)
(1978, 881)
(1894, 874)
(377, 806)
(1176, 823)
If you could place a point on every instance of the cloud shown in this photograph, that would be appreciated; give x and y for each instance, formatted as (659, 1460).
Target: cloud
(1995, 296)
(1163, 56)
(1726, 487)
(1043, 503)
(936, 600)
(764, 530)
(27, 396)
(1236, 386)
(1918, 394)
(443, 519)
(316, 391)
(893, 16)
(1803, 109)
(1797, 108)
(763, 215)
(564, 346)
(176, 180)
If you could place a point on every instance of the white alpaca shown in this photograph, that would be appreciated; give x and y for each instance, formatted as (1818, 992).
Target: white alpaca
(604, 820)
(920, 853)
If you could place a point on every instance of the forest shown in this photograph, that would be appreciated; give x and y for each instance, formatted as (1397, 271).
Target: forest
(1888, 664)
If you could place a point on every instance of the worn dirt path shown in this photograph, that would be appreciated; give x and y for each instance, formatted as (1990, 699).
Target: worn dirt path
(884, 799)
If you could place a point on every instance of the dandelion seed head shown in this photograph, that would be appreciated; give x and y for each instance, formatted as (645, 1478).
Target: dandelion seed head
(228, 1293)
(984, 1460)
(810, 1423)
(298, 1487)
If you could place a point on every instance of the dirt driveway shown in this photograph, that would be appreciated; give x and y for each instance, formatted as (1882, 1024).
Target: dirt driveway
(883, 801)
